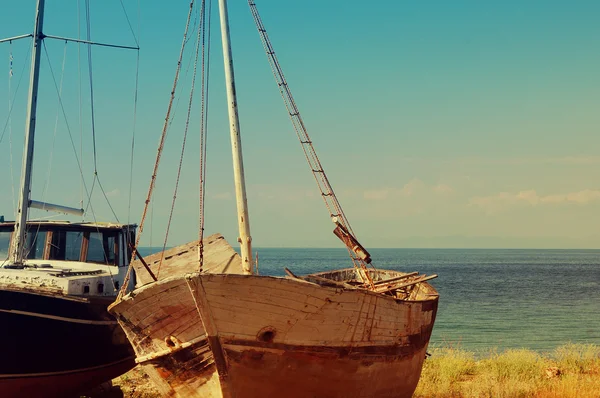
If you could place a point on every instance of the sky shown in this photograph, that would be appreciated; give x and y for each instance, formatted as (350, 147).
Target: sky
(439, 124)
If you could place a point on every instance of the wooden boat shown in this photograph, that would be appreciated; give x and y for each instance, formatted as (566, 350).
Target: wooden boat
(358, 332)
(162, 323)
(56, 280)
(316, 336)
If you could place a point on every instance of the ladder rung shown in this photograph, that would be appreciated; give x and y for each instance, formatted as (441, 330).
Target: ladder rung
(318, 171)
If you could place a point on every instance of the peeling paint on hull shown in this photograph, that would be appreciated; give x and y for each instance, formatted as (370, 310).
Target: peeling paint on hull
(278, 337)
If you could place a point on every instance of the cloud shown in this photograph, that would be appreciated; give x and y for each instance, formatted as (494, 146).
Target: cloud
(411, 189)
(222, 196)
(442, 189)
(532, 198)
(564, 161)
(113, 194)
(533, 160)
(283, 192)
(380, 194)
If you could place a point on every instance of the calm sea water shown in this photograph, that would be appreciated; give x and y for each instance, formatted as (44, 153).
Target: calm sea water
(536, 299)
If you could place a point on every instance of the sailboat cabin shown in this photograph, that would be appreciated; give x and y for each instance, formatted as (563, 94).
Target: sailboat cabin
(68, 256)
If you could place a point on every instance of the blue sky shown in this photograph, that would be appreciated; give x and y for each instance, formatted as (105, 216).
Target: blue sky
(440, 124)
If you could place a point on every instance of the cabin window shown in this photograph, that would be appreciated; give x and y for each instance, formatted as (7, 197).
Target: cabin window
(110, 248)
(96, 253)
(73, 246)
(101, 248)
(66, 245)
(36, 241)
(4, 244)
(100, 288)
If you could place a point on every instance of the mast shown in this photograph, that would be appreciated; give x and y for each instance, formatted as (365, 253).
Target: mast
(18, 243)
(236, 145)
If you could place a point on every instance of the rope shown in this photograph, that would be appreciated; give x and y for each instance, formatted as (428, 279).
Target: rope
(12, 174)
(158, 155)
(81, 182)
(92, 112)
(88, 192)
(129, 22)
(135, 101)
(50, 158)
(58, 91)
(185, 132)
(90, 75)
(327, 193)
(62, 74)
(12, 105)
(203, 130)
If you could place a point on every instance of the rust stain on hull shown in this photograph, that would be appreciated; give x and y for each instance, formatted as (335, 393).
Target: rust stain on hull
(249, 337)
(302, 373)
(185, 372)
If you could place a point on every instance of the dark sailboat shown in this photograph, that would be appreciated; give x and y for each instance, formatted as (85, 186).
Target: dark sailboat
(56, 281)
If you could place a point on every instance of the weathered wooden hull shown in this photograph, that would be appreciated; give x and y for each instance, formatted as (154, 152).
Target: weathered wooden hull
(298, 371)
(162, 322)
(54, 346)
(277, 337)
(281, 337)
(167, 334)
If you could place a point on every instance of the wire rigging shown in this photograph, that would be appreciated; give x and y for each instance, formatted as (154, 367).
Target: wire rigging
(185, 132)
(158, 155)
(327, 193)
(205, 74)
(10, 151)
(90, 75)
(135, 102)
(80, 85)
(12, 104)
(60, 88)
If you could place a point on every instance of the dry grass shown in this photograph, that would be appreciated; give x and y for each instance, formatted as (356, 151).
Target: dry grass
(455, 373)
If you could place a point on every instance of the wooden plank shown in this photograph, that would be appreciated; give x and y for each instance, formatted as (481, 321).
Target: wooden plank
(395, 286)
(378, 283)
(219, 257)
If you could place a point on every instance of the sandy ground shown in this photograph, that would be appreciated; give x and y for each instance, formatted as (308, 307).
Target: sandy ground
(133, 384)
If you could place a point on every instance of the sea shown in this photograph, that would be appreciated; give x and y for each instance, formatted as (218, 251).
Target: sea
(489, 298)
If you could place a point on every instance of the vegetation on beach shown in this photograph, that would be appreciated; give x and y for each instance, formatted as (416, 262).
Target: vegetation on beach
(570, 371)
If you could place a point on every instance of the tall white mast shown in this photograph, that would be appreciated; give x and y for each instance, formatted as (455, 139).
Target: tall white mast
(236, 145)
(18, 243)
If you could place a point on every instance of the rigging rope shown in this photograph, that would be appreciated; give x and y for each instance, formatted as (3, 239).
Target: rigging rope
(327, 193)
(203, 130)
(10, 159)
(135, 101)
(80, 85)
(90, 75)
(158, 156)
(92, 111)
(62, 75)
(12, 104)
(185, 132)
(58, 91)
